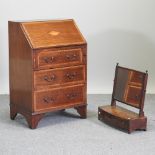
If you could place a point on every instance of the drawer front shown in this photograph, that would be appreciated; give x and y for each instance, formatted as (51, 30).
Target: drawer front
(133, 95)
(112, 120)
(59, 76)
(59, 98)
(137, 78)
(59, 58)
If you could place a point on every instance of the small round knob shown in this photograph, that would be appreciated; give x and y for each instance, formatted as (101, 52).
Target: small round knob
(136, 96)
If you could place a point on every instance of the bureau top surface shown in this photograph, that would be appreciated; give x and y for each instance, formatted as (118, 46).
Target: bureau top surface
(42, 34)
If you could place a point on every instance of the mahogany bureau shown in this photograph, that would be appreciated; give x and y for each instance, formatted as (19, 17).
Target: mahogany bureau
(47, 68)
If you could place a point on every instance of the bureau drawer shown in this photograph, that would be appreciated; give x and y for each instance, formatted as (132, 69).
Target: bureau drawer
(59, 76)
(59, 58)
(113, 120)
(59, 98)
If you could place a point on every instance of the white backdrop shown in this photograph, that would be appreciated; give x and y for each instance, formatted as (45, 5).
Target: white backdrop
(116, 31)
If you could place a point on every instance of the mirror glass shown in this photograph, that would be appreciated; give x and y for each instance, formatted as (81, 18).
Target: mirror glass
(128, 87)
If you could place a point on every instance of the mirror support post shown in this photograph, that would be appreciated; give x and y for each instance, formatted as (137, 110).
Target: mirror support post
(113, 101)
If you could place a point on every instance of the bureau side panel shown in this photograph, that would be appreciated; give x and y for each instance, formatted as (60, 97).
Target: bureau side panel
(85, 59)
(20, 69)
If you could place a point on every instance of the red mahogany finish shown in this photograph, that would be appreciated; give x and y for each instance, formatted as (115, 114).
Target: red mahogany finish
(47, 67)
(129, 88)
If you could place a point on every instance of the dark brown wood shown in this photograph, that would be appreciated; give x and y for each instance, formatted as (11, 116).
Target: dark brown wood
(122, 118)
(113, 101)
(141, 112)
(20, 68)
(129, 88)
(47, 67)
(33, 120)
(13, 112)
(82, 110)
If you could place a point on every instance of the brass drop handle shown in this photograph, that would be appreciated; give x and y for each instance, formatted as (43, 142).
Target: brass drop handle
(48, 100)
(71, 57)
(71, 96)
(71, 75)
(49, 59)
(49, 79)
